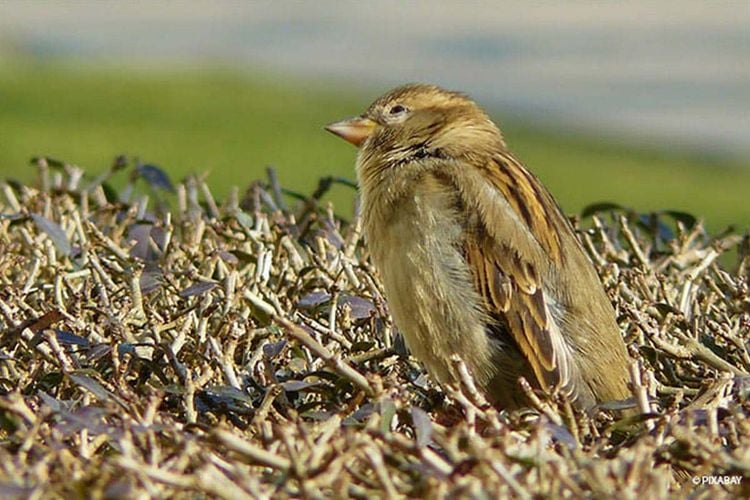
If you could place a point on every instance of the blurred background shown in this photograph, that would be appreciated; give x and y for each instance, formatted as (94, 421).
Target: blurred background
(645, 104)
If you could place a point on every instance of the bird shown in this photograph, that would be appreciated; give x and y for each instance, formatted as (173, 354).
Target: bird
(475, 255)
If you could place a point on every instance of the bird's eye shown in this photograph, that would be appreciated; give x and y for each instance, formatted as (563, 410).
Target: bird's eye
(397, 110)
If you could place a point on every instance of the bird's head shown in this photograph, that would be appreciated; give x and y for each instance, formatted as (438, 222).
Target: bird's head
(413, 125)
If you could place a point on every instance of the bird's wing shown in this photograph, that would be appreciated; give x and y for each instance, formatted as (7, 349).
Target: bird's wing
(509, 280)
(515, 300)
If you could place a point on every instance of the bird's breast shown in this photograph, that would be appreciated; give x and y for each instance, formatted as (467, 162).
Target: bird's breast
(417, 250)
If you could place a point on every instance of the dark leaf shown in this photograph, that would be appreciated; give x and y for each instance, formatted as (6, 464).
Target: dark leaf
(363, 412)
(421, 381)
(294, 194)
(109, 192)
(742, 387)
(228, 257)
(99, 351)
(617, 405)
(12, 490)
(665, 232)
(298, 385)
(313, 299)
(362, 345)
(346, 182)
(126, 348)
(151, 280)
(223, 399)
(272, 349)
(360, 308)
(91, 385)
(306, 270)
(49, 381)
(86, 417)
(141, 234)
(399, 345)
(244, 257)
(159, 236)
(55, 233)
(665, 308)
(120, 162)
(687, 220)
(596, 208)
(51, 162)
(198, 288)
(422, 426)
(561, 434)
(155, 177)
(227, 391)
(331, 234)
(15, 184)
(626, 424)
(325, 375)
(319, 416)
(67, 338)
(268, 200)
(53, 403)
(174, 389)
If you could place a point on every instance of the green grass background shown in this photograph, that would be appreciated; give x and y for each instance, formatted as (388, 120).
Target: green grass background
(234, 124)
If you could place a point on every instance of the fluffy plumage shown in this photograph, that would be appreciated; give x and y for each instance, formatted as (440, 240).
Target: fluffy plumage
(476, 256)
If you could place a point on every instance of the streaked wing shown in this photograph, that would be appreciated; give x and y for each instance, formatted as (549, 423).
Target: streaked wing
(532, 203)
(512, 298)
(509, 282)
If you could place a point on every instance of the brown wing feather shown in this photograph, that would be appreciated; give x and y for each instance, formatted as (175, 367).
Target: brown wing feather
(528, 198)
(510, 284)
(525, 314)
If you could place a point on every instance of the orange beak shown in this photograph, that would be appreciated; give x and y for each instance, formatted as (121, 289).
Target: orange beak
(355, 130)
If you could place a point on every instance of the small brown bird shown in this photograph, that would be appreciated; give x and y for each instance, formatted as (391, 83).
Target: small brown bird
(476, 257)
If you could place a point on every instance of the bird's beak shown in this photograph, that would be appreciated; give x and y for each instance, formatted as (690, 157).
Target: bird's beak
(354, 130)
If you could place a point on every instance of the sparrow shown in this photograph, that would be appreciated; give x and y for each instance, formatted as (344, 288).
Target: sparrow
(475, 255)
